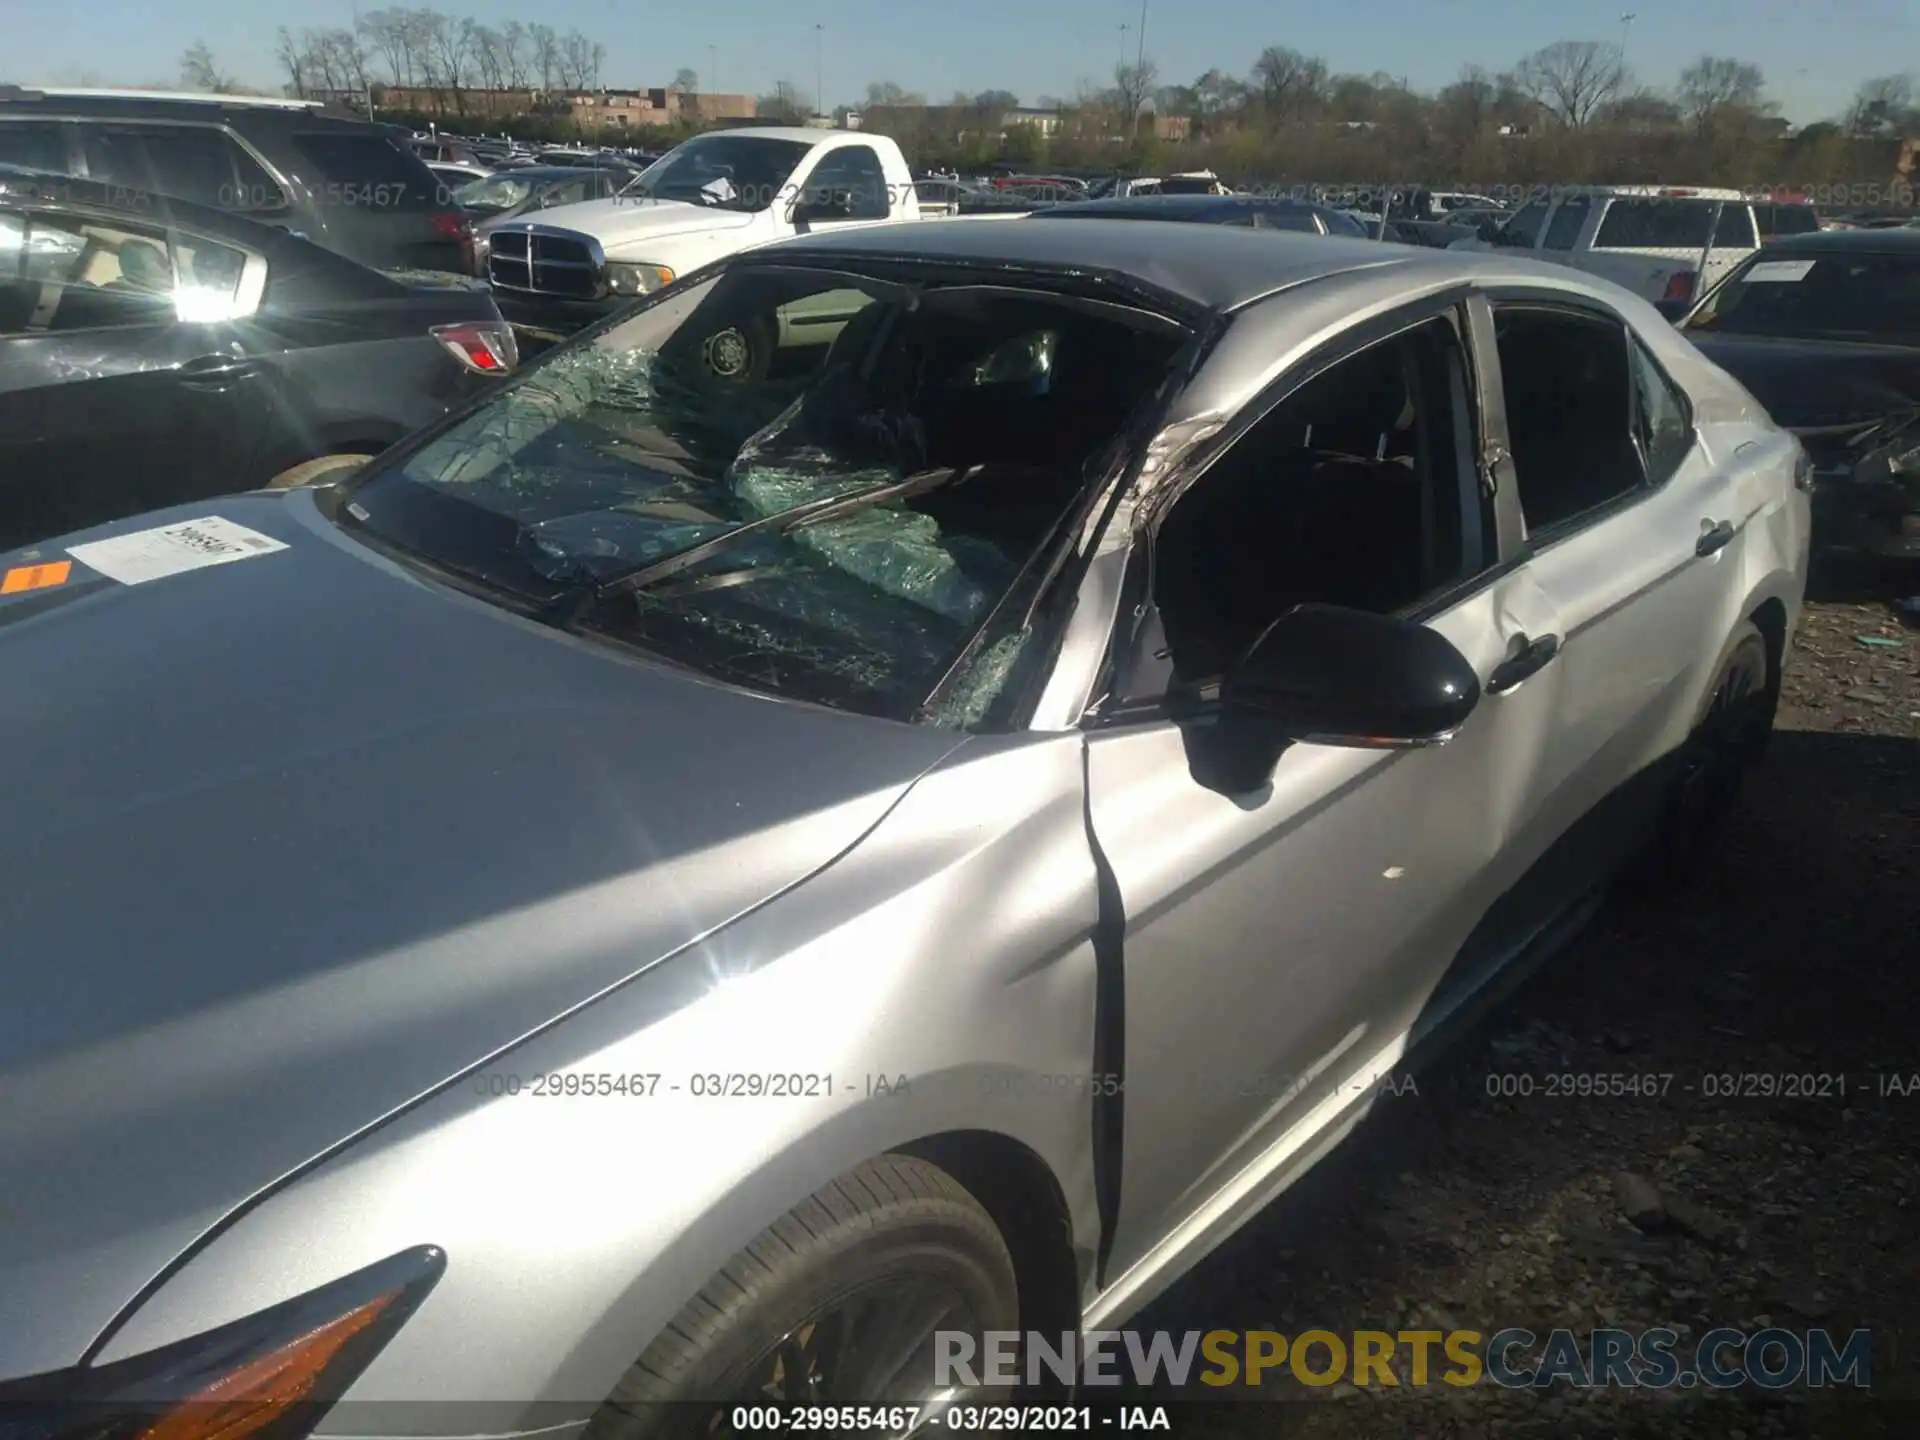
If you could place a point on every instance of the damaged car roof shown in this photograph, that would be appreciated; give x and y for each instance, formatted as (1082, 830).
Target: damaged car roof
(1213, 267)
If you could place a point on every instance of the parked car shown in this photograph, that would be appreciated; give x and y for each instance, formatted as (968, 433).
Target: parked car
(155, 352)
(1825, 330)
(347, 184)
(454, 177)
(720, 192)
(1249, 212)
(505, 196)
(445, 150)
(958, 825)
(563, 155)
(1668, 244)
(1446, 203)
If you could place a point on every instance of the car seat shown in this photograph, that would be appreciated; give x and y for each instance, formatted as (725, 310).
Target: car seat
(143, 267)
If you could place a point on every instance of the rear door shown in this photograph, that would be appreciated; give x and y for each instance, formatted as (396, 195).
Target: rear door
(124, 382)
(1616, 499)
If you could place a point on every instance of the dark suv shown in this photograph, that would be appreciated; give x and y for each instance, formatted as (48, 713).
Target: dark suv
(342, 182)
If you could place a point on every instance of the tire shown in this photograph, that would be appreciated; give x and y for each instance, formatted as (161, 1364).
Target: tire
(739, 354)
(315, 472)
(886, 1247)
(1727, 741)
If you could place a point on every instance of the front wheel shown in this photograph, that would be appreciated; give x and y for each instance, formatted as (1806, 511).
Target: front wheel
(844, 1300)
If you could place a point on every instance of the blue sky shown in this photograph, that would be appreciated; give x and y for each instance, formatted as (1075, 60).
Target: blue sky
(1813, 51)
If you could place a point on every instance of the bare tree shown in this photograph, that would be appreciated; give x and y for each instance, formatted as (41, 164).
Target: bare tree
(1572, 79)
(1465, 108)
(347, 57)
(1883, 103)
(393, 35)
(1287, 83)
(489, 58)
(580, 60)
(686, 81)
(1133, 86)
(199, 72)
(514, 52)
(543, 48)
(291, 53)
(781, 104)
(1714, 85)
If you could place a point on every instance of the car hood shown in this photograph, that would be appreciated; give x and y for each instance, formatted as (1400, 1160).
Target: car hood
(298, 837)
(620, 222)
(1812, 383)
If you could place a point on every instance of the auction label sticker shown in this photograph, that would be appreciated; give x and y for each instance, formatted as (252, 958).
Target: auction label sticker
(173, 550)
(1778, 270)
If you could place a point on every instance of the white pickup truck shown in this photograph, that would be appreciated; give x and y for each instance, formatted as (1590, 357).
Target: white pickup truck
(716, 194)
(1667, 244)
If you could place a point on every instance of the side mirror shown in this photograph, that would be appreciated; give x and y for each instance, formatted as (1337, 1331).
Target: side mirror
(1333, 676)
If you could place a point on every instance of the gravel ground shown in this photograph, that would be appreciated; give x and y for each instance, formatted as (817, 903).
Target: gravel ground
(1799, 952)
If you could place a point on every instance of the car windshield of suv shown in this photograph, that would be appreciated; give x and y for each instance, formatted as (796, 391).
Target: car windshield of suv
(494, 194)
(730, 172)
(1859, 297)
(707, 416)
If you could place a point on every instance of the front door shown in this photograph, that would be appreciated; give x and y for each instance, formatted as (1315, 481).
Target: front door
(1282, 940)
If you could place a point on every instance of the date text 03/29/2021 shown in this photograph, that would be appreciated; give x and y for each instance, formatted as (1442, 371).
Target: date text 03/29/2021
(961, 1418)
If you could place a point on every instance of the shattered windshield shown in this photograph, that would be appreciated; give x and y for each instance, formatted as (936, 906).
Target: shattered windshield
(728, 172)
(706, 417)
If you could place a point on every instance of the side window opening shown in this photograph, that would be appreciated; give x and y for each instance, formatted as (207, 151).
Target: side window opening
(1734, 229)
(1656, 222)
(78, 273)
(1566, 381)
(1661, 428)
(853, 177)
(1567, 223)
(1524, 228)
(1357, 489)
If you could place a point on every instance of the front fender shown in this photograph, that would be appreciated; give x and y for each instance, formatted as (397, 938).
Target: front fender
(951, 947)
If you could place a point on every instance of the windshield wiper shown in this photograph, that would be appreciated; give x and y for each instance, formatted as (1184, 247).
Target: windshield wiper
(829, 507)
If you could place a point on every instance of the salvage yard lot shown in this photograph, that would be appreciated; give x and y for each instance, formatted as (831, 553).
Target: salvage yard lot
(1455, 1209)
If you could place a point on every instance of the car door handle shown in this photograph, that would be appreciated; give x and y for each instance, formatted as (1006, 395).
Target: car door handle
(1717, 538)
(214, 372)
(1535, 657)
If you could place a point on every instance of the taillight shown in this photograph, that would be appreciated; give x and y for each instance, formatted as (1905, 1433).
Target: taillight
(1680, 285)
(485, 349)
(452, 225)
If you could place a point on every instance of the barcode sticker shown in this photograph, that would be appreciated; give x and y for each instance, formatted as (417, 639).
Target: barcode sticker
(173, 550)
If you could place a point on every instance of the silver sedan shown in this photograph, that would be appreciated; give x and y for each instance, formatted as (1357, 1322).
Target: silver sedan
(691, 882)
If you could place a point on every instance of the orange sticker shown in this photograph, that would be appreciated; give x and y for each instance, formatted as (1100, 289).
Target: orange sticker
(35, 577)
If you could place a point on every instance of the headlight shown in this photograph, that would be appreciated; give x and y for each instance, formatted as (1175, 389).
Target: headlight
(637, 279)
(271, 1376)
(1906, 462)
